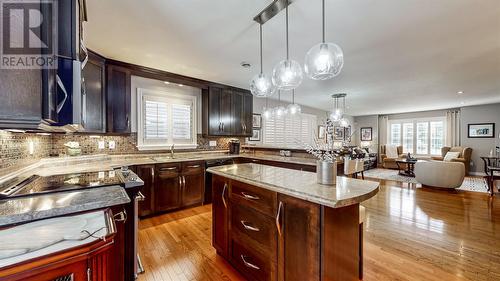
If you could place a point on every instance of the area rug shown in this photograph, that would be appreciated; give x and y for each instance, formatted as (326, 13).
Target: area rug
(475, 184)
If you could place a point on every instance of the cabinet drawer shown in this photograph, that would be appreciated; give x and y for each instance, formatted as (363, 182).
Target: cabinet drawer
(247, 224)
(168, 169)
(256, 198)
(193, 168)
(252, 264)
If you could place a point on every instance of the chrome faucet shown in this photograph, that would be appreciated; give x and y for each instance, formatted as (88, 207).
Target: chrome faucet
(172, 151)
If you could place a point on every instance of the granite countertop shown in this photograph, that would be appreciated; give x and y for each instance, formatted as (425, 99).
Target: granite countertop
(300, 184)
(24, 209)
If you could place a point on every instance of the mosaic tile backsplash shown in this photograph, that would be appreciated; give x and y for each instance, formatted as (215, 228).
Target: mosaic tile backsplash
(15, 147)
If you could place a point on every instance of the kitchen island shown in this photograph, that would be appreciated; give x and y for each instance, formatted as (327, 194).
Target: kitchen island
(275, 223)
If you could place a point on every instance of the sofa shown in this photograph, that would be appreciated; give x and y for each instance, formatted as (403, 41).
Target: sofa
(440, 173)
(388, 162)
(463, 157)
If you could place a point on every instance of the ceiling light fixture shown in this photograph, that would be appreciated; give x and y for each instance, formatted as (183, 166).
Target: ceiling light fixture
(245, 64)
(287, 74)
(279, 111)
(266, 111)
(293, 108)
(324, 60)
(261, 85)
(338, 107)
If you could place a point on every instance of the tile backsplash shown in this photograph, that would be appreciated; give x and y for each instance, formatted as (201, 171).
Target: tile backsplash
(15, 147)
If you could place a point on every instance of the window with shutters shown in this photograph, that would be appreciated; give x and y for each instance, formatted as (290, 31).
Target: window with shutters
(289, 131)
(164, 120)
(419, 137)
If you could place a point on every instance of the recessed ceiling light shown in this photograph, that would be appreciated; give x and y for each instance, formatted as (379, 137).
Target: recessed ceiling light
(245, 64)
(180, 85)
(460, 92)
(462, 102)
(166, 82)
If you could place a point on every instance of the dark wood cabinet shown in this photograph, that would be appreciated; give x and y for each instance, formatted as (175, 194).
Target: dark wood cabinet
(299, 239)
(220, 215)
(193, 183)
(94, 95)
(167, 187)
(147, 174)
(227, 112)
(118, 99)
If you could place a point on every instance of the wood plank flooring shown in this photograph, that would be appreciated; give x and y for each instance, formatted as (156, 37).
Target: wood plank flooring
(411, 233)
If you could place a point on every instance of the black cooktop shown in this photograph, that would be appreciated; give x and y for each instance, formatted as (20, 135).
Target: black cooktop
(57, 183)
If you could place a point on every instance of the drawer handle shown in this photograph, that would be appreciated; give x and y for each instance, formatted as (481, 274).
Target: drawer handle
(249, 265)
(121, 216)
(168, 169)
(223, 195)
(248, 196)
(278, 218)
(194, 166)
(249, 227)
(140, 196)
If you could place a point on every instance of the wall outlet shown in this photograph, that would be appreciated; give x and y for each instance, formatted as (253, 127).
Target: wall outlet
(101, 144)
(212, 143)
(111, 144)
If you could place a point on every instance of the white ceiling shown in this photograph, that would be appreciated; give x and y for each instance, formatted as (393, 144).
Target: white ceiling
(400, 56)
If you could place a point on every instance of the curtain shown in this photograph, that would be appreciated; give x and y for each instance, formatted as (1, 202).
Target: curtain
(452, 128)
(383, 124)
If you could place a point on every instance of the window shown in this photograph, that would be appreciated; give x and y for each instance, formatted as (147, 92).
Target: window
(290, 131)
(165, 119)
(421, 137)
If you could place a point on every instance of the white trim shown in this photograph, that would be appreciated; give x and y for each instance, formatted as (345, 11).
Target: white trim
(414, 122)
(141, 93)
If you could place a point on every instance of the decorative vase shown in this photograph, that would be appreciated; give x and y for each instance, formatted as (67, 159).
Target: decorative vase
(326, 172)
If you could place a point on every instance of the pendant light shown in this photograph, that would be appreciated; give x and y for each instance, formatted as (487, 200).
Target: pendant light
(324, 60)
(279, 111)
(293, 108)
(338, 107)
(266, 111)
(287, 74)
(261, 85)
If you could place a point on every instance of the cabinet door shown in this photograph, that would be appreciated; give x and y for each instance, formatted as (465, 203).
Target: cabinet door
(299, 239)
(238, 121)
(226, 116)
(220, 210)
(247, 113)
(118, 99)
(94, 98)
(214, 122)
(193, 179)
(167, 187)
(146, 173)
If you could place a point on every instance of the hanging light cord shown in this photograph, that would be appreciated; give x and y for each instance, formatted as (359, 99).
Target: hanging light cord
(323, 8)
(261, 48)
(293, 96)
(279, 95)
(286, 15)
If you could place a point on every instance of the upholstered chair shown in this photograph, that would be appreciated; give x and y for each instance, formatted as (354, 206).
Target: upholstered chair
(464, 156)
(390, 163)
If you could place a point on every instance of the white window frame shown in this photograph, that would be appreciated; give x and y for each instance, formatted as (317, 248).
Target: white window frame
(168, 98)
(414, 122)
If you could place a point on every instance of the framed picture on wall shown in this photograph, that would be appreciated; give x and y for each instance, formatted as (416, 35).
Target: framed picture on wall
(256, 120)
(321, 132)
(255, 135)
(338, 133)
(347, 134)
(481, 130)
(366, 134)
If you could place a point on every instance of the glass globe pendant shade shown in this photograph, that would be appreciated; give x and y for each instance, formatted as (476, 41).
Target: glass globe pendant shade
(267, 113)
(262, 86)
(280, 111)
(293, 109)
(344, 122)
(324, 61)
(335, 116)
(287, 75)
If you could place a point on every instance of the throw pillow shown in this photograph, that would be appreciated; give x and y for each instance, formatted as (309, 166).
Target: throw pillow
(391, 151)
(451, 155)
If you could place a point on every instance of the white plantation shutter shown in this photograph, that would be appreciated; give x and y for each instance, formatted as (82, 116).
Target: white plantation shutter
(166, 119)
(289, 131)
(155, 120)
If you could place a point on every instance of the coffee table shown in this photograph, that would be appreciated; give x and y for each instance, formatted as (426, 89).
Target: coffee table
(406, 167)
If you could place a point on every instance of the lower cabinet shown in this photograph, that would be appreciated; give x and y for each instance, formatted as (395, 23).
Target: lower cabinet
(278, 242)
(171, 186)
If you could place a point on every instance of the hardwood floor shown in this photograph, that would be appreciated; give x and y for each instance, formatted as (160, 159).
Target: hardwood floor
(411, 234)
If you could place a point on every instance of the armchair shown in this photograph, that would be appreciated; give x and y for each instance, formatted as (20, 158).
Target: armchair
(464, 156)
(390, 163)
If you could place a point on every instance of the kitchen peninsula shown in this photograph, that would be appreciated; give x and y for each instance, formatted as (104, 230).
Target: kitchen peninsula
(273, 223)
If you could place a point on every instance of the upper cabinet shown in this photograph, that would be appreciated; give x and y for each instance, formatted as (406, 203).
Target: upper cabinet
(118, 99)
(227, 112)
(94, 94)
